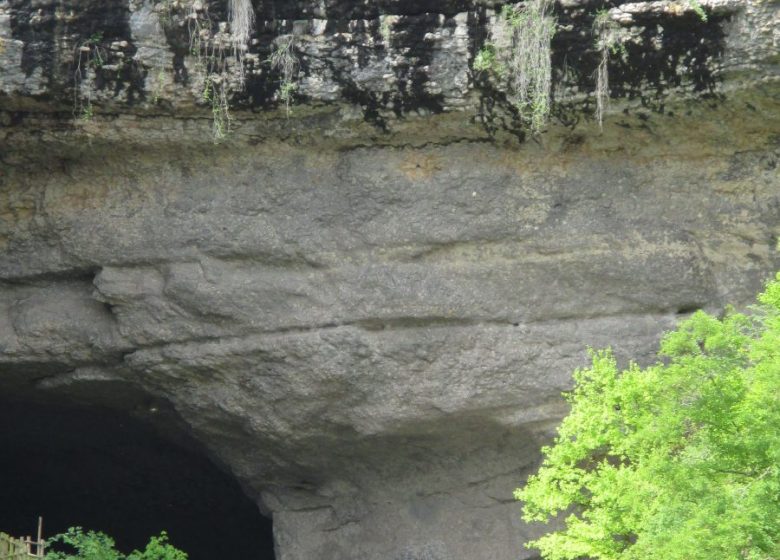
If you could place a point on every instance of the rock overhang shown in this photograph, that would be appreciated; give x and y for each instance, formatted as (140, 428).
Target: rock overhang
(370, 321)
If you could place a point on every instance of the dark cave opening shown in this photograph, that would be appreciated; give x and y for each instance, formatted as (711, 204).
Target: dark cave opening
(106, 470)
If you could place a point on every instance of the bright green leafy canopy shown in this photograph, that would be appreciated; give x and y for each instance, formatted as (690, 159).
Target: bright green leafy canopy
(680, 460)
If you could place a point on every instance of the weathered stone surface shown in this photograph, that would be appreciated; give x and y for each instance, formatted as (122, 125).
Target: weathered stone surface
(367, 312)
(377, 62)
(56, 322)
(375, 340)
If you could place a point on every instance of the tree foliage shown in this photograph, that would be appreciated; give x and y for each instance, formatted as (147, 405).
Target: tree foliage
(679, 460)
(92, 545)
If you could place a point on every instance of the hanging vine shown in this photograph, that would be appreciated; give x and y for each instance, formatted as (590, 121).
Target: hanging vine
(607, 43)
(285, 61)
(525, 65)
(218, 51)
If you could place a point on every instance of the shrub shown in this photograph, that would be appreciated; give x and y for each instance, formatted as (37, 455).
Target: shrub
(679, 460)
(92, 545)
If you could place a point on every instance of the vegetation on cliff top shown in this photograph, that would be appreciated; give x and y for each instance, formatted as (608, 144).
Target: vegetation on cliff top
(680, 460)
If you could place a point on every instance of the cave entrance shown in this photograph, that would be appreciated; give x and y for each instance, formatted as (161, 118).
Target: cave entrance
(106, 470)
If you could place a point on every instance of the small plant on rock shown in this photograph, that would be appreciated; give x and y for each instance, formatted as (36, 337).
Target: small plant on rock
(86, 112)
(698, 9)
(160, 83)
(486, 60)
(90, 56)
(215, 93)
(284, 60)
(386, 24)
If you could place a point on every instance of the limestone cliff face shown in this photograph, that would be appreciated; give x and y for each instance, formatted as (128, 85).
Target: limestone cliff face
(379, 63)
(367, 309)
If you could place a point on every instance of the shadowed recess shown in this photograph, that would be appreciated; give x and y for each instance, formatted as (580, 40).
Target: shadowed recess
(107, 471)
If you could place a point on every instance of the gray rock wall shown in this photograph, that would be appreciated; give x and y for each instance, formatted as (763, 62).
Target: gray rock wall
(382, 60)
(367, 311)
(375, 340)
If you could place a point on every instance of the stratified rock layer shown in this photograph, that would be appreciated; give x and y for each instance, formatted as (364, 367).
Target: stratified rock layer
(368, 312)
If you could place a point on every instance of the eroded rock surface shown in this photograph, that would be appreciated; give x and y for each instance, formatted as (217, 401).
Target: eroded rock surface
(367, 312)
(353, 62)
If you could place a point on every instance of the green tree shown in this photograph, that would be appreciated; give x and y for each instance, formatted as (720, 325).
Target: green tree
(679, 460)
(91, 545)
